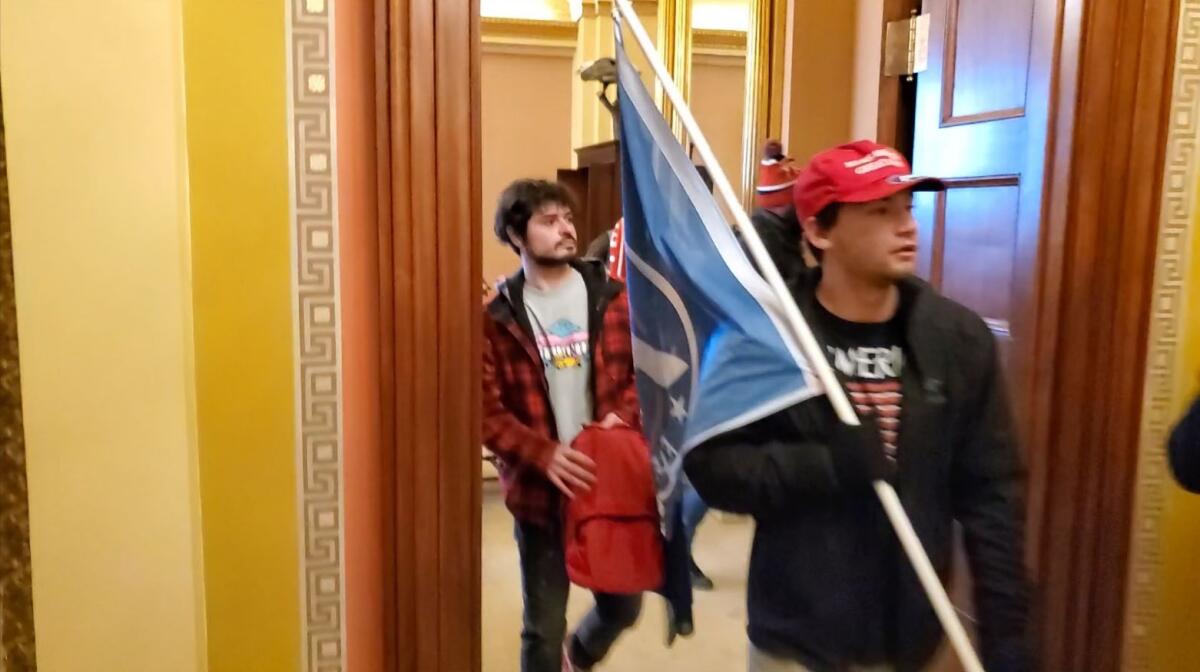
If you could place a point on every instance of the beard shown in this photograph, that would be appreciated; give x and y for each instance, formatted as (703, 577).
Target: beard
(558, 256)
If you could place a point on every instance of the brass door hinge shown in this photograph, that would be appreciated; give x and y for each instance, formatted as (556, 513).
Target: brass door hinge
(906, 46)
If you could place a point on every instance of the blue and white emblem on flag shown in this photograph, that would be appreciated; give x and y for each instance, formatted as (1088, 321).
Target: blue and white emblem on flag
(710, 341)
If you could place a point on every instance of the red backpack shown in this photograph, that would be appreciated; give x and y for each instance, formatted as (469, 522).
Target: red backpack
(611, 533)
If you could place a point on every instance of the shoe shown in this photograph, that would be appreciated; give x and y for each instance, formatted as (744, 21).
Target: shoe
(700, 580)
(678, 625)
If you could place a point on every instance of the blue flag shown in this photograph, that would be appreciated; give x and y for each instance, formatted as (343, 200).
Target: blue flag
(711, 345)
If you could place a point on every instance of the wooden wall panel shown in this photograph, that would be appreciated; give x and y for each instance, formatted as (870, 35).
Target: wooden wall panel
(358, 224)
(429, 167)
(897, 95)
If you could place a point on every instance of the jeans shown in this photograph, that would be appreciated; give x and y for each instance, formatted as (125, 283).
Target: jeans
(544, 588)
(694, 510)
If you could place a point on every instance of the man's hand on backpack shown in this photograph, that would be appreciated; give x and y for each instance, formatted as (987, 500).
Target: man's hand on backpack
(571, 471)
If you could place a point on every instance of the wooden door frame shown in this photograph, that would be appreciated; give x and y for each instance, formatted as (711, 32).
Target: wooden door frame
(429, 175)
(1104, 183)
(1112, 76)
(897, 96)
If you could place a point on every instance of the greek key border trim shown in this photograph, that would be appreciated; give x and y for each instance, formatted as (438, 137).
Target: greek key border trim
(316, 317)
(1168, 305)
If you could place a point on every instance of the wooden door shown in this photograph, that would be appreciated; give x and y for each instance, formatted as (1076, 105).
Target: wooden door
(980, 122)
(1050, 236)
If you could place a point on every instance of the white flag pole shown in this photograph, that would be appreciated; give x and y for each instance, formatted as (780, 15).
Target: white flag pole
(808, 342)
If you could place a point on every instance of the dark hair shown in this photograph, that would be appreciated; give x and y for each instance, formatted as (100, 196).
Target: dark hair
(520, 200)
(826, 218)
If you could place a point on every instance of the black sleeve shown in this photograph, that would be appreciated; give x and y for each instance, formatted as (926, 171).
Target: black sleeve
(988, 499)
(598, 248)
(1183, 448)
(763, 467)
(782, 245)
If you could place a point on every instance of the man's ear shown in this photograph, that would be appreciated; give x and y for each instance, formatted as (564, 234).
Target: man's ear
(814, 235)
(513, 238)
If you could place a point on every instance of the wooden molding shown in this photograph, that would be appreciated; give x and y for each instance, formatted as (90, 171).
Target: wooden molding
(897, 95)
(528, 50)
(536, 37)
(430, 253)
(17, 647)
(1105, 165)
(732, 59)
(592, 8)
(719, 43)
(674, 45)
(949, 78)
(528, 36)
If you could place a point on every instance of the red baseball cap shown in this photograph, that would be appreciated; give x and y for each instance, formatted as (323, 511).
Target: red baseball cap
(858, 172)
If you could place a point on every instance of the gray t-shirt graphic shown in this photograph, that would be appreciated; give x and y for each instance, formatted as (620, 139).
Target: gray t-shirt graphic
(559, 318)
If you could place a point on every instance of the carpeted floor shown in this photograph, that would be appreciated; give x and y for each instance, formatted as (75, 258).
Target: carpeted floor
(719, 645)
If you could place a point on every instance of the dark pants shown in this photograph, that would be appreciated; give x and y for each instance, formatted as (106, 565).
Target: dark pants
(694, 510)
(544, 587)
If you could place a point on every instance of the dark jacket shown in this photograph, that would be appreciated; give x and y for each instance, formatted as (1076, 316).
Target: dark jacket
(598, 248)
(782, 238)
(1184, 449)
(828, 585)
(518, 421)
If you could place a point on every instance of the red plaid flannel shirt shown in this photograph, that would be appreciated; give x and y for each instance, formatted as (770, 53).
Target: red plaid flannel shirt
(518, 424)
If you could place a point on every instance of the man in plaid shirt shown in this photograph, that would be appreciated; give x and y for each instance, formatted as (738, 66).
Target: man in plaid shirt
(556, 357)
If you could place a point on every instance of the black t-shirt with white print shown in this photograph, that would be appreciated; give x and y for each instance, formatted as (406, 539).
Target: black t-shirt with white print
(870, 357)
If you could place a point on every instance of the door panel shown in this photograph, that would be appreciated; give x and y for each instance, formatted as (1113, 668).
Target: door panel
(977, 256)
(986, 57)
(980, 123)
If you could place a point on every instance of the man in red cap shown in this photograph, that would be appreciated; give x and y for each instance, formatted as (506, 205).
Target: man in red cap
(829, 587)
(775, 216)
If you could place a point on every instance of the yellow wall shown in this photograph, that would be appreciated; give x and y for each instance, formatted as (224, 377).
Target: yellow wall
(1176, 646)
(718, 83)
(820, 101)
(235, 55)
(526, 117)
(868, 50)
(93, 104)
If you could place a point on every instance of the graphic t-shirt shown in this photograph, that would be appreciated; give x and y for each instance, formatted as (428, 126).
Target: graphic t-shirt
(871, 357)
(559, 318)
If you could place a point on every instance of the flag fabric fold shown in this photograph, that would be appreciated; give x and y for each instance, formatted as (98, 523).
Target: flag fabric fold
(711, 344)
